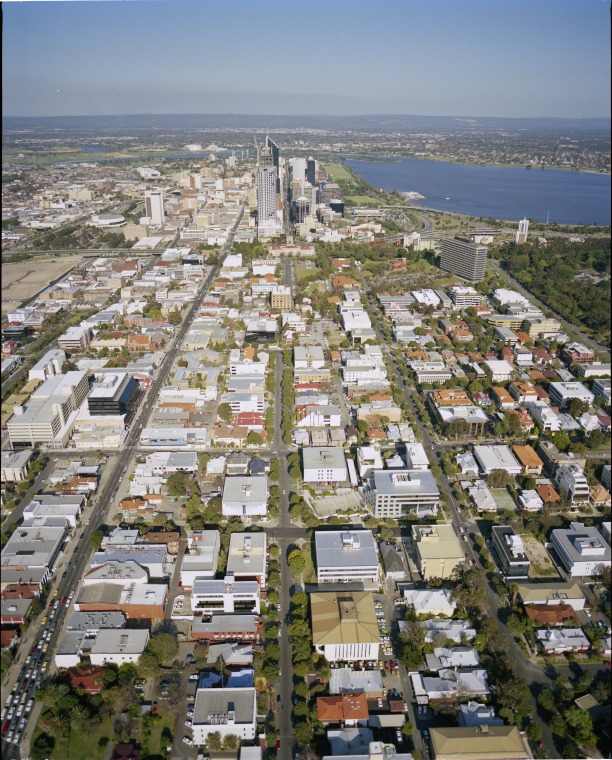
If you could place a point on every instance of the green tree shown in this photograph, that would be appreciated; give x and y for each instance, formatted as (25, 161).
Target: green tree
(164, 646)
(562, 441)
(95, 540)
(296, 562)
(254, 439)
(224, 412)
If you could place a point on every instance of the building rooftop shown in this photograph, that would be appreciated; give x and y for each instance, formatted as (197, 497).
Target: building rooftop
(247, 554)
(343, 618)
(345, 548)
(401, 482)
(123, 640)
(479, 743)
(219, 706)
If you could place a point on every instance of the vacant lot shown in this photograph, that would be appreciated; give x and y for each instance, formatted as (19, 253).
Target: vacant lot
(541, 564)
(24, 279)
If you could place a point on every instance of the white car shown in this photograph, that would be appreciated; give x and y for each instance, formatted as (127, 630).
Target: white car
(188, 723)
(187, 740)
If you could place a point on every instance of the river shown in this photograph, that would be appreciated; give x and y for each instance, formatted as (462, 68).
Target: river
(564, 197)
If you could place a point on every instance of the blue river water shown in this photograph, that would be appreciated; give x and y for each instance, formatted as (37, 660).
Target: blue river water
(498, 192)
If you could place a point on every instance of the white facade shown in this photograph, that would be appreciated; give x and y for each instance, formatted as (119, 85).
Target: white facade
(210, 596)
(118, 646)
(324, 465)
(582, 550)
(346, 556)
(245, 496)
(572, 483)
(154, 206)
(229, 712)
(491, 458)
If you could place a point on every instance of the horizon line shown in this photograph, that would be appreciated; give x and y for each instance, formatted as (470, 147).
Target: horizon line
(299, 115)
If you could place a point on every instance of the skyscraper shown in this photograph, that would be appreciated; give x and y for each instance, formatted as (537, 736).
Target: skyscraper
(311, 170)
(266, 196)
(521, 233)
(463, 258)
(154, 206)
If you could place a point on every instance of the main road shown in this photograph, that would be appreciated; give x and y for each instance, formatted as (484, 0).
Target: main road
(102, 501)
(532, 673)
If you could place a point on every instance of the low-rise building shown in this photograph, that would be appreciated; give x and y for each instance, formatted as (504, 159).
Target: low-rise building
(245, 496)
(528, 459)
(324, 465)
(491, 458)
(449, 684)
(247, 557)
(561, 394)
(430, 601)
(209, 596)
(201, 556)
(581, 549)
(15, 465)
(118, 646)
(347, 556)
(228, 712)
(483, 742)
(558, 641)
(552, 594)
(438, 550)
(344, 625)
(226, 627)
(398, 493)
(573, 484)
(510, 552)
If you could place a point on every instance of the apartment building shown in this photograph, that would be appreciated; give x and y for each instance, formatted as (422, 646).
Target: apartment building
(344, 626)
(582, 550)
(573, 483)
(463, 258)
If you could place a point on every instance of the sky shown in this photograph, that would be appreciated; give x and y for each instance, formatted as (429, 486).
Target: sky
(513, 58)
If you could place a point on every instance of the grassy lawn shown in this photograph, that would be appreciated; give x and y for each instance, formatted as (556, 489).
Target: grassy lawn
(338, 172)
(82, 744)
(302, 272)
(362, 200)
(152, 744)
(503, 499)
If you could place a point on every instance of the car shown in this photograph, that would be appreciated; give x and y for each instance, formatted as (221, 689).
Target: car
(189, 658)
(19, 711)
(381, 665)
(420, 710)
(278, 607)
(187, 740)
(28, 673)
(588, 613)
(64, 599)
(277, 744)
(425, 735)
(189, 723)
(386, 665)
(56, 592)
(607, 663)
(5, 727)
(11, 712)
(405, 706)
(193, 677)
(398, 736)
(44, 620)
(473, 561)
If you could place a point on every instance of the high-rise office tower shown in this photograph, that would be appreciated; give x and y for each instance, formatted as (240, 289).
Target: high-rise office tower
(311, 170)
(266, 194)
(154, 206)
(463, 258)
(521, 233)
(273, 148)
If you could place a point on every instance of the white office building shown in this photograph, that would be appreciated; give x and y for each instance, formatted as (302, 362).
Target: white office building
(582, 550)
(397, 493)
(229, 712)
(491, 458)
(210, 596)
(347, 556)
(324, 465)
(154, 207)
(245, 496)
(118, 646)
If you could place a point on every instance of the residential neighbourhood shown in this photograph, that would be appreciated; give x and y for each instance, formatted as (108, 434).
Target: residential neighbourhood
(261, 499)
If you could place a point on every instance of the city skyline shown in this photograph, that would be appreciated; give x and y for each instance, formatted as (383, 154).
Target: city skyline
(471, 59)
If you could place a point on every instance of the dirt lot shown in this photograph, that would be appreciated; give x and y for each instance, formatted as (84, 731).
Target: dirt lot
(24, 279)
(541, 564)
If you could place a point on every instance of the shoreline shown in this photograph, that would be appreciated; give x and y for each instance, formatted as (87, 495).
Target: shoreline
(382, 159)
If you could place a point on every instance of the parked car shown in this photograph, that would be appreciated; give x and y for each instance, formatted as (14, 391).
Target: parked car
(188, 723)
(187, 740)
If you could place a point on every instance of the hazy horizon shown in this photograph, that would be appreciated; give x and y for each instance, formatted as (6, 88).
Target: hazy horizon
(503, 59)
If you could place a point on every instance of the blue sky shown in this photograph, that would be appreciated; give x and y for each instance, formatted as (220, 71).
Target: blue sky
(430, 57)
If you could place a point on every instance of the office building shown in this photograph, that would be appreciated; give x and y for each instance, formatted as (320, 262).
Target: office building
(482, 742)
(112, 394)
(510, 552)
(280, 298)
(581, 549)
(246, 557)
(245, 496)
(311, 171)
(560, 394)
(324, 465)
(154, 207)
(463, 258)
(438, 550)
(228, 712)
(347, 556)
(344, 625)
(210, 596)
(398, 493)
(201, 556)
